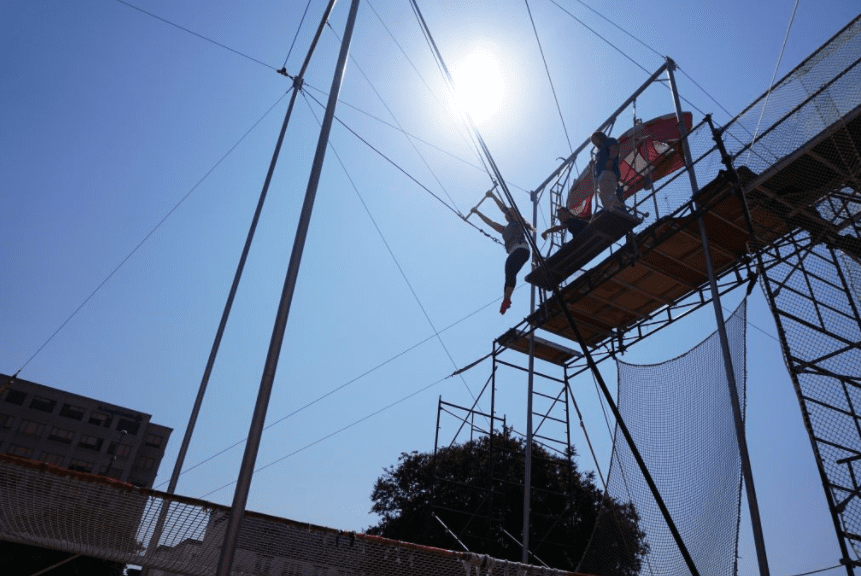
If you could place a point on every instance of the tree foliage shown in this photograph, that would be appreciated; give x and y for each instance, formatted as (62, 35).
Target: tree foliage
(479, 498)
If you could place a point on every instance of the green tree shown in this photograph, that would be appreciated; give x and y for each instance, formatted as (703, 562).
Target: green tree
(480, 498)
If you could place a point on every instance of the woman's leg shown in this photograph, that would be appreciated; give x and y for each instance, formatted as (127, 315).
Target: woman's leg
(513, 264)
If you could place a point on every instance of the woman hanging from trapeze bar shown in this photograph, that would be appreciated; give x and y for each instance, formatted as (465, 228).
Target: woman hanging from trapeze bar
(515, 244)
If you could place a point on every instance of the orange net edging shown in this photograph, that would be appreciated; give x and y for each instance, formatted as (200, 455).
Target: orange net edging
(52, 507)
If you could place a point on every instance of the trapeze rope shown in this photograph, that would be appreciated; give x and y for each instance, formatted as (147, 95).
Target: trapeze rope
(400, 128)
(150, 233)
(570, 320)
(405, 173)
(397, 263)
(430, 91)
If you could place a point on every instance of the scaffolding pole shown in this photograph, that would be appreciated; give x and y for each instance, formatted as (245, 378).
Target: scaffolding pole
(527, 478)
(747, 473)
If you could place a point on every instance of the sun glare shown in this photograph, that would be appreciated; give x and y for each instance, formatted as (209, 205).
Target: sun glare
(478, 85)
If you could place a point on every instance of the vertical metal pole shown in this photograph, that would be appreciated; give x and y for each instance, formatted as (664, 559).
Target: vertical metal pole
(599, 379)
(201, 391)
(435, 450)
(490, 482)
(771, 298)
(233, 288)
(568, 444)
(493, 394)
(623, 428)
(243, 484)
(747, 473)
(216, 344)
(527, 480)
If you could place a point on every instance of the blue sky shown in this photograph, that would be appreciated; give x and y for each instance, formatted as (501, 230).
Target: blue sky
(110, 117)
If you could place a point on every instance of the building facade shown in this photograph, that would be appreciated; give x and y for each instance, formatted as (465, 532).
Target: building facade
(50, 425)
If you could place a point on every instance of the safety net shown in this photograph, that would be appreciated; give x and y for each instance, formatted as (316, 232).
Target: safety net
(801, 144)
(680, 416)
(51, 507)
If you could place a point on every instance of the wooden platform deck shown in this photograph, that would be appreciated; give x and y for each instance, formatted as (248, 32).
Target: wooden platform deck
(607, 227)
(544, 349)
(669, 263)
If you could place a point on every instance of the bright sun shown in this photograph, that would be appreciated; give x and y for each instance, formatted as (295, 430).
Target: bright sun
(479, 86)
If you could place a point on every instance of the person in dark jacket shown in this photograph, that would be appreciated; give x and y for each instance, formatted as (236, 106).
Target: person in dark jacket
(567, 221)
(606, 171)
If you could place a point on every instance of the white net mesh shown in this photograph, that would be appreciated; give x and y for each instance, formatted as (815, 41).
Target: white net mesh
(680, 416)
(79, 513)
(805, 165)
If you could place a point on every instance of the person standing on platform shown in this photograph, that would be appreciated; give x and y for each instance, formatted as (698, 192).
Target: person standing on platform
(513, 234)
(606, 171)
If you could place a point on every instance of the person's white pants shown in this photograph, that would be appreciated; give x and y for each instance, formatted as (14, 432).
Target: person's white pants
(607, 184)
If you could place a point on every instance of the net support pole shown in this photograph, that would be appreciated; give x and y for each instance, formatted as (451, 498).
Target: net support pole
(741, 440)
(527, 478)
(771, 299)
(216, 344)
(243, 484)
(297, 84)
(490, 483)
(653, 488)
(579, 337)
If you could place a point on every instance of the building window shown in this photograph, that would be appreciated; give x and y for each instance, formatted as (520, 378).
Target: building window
(145, 463)
(55, 459)
(100, 419)
(20, 451)
(62, 435)
(129, 426)
(73, 412)
(16, 397)
(31, 428)
(90, 442)
(153, 440)
(5, 421)
(115, 473)
(119, 450)
(80, 466)
(43, 404)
